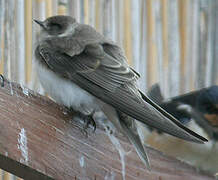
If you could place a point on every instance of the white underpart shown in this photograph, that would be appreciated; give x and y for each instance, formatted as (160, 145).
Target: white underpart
(64, 91)
(186, 107)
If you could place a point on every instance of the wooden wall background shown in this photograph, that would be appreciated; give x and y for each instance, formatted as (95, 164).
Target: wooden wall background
(173, 42)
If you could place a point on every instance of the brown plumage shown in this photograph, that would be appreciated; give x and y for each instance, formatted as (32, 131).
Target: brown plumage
(81, 56)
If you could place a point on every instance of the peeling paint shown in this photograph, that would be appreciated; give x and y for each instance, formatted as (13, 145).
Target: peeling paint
(82, 161)
(110, 176)
(22, 146)
(83, 168)
(11, 89)
(25, 90)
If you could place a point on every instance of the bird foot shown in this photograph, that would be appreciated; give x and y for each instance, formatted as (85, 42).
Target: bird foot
(2, 80)
(87, 120)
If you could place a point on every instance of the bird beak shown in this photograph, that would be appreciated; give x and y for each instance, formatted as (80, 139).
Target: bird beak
(41, 23)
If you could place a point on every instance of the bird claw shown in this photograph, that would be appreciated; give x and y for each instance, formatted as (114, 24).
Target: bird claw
(2, 80)
(89, 121)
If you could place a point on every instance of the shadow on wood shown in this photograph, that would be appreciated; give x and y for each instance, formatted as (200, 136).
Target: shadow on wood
(39, 140)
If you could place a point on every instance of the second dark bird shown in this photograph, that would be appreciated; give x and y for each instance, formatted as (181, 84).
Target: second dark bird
(200, 106)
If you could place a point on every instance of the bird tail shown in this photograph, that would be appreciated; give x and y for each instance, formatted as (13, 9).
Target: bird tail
(175, 127)
(136, 141)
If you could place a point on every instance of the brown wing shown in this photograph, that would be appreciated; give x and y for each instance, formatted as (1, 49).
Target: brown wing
(101, 70)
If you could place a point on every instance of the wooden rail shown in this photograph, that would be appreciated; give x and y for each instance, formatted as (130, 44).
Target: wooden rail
(39, 140)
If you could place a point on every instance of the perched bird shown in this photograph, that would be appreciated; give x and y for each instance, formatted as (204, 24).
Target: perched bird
(81, 69)
(200, 105)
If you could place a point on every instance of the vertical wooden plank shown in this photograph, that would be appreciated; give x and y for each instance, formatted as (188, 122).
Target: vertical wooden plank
(62, 8)
(86, 12)
(74, 9)
(92, 13)
(165, 47)
(6, 41)
(157, 8)
(189, 71)
(215, 59)
(120, 22)
(127, 32)
(201, 66)
(106, 20)
(49, 8)
(82, 11)
(97, 15)
(40, 13)
(2, 59)
(136, 32)
(113, 20)
(20, 42)
(101, 16)
(2, 27)
(174, 48)
(28, 39)
(151, 55)
(210, 42)
(183, 16)
(143, 48)
(194, 47)
(9, 40)
(13, 73)
(54, 7)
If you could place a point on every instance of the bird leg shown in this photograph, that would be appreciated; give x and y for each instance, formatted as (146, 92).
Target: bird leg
(87, 120)
(2, 80)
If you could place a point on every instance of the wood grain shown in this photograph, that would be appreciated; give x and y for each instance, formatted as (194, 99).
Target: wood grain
(39, 137)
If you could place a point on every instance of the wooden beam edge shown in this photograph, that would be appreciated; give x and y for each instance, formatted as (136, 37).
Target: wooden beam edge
(56, 147)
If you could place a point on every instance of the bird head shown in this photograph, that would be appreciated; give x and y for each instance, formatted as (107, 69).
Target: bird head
(207, 101)
(57, 26)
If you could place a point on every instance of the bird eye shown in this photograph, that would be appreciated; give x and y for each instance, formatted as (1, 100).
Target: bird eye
(55, 27)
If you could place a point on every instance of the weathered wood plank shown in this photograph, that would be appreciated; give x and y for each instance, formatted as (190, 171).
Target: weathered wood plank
(37, 134)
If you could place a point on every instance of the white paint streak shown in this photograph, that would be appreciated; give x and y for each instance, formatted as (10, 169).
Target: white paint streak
(22, 146)
(119, 148)
(82, 161)
(11, 89)
(110, 176)
(25, 90)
